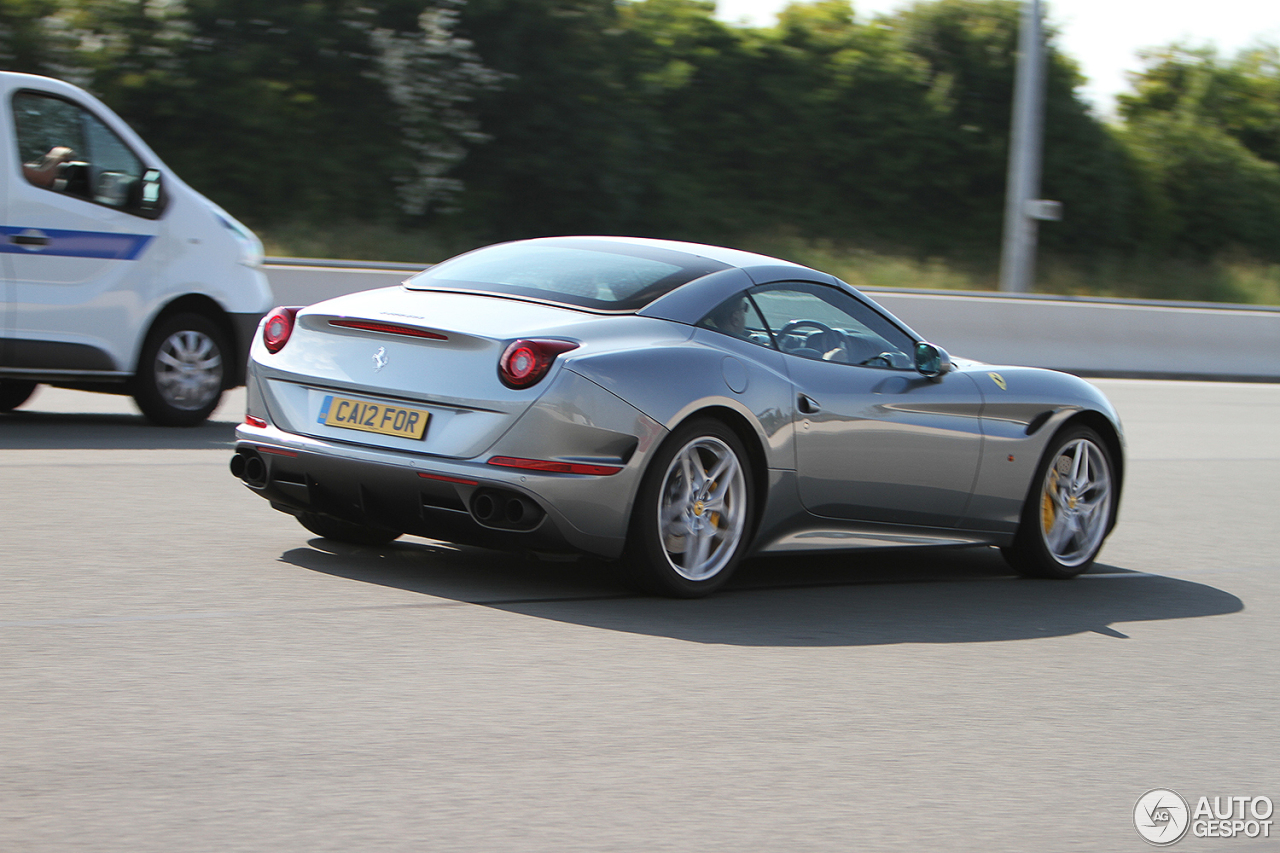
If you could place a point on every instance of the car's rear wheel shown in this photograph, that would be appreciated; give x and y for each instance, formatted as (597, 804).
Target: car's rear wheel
(345, 531)
(692, 518)
(15, 392)
(181, 370)
(1069, 509)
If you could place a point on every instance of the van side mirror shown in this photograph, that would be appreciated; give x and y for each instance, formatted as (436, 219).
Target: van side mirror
(932, 361)
(150, 200)
(114, 189)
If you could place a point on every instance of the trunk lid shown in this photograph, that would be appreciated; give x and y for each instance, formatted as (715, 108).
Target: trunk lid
(430, 353)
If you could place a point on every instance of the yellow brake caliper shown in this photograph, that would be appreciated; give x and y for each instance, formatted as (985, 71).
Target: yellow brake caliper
(1047, 512)
(714, 516)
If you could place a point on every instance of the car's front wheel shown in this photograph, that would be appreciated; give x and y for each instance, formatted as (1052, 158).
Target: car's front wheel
(15, 392)
(345, 531)
(181, 370)
(692, 518)
(1069, 510)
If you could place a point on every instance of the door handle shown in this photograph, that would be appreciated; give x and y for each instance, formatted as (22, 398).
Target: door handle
(808, 405)
(29, 239)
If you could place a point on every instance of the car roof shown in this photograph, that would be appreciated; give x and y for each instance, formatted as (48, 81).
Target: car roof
(720, 254)
(600, 274)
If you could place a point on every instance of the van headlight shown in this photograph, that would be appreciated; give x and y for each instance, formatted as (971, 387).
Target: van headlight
(251, 252)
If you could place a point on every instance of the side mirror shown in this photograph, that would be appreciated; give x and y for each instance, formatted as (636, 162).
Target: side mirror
(149, 201)
(114, 189)
(932, 361)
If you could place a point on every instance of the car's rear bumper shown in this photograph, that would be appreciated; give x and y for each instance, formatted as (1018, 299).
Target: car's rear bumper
(468, 502)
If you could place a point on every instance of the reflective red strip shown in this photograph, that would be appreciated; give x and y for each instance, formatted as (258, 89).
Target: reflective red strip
(550, 467)
(276, 451)
(387, 328)
(442, 478)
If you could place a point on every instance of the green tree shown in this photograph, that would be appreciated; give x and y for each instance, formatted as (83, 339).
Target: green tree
(970, 47)
(1207, 135)
(36, 38)
(311, 109)
(567, 150)
(272, 110)
(697, 90)
(433, 77)
(1212, 194)
(1241, 96)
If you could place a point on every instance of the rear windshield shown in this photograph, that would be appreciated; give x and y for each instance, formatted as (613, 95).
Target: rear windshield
(596, 275)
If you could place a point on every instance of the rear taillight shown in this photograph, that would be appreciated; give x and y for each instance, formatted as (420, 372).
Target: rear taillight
(278, 328)
(525, 362)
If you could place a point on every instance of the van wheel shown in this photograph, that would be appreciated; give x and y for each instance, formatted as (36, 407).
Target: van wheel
(181, 370)
(15, 392)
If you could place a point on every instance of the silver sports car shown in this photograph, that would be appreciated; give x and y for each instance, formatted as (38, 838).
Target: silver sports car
(671, 406)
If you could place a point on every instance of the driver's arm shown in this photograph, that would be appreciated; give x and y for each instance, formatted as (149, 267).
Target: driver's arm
(44, 172)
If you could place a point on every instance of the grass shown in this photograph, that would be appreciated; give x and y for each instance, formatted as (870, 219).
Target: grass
(359, 241)
(1228, 279)
(1232, 278)
(870, 268)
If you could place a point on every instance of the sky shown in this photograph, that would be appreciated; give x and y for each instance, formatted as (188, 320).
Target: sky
(1104, 36)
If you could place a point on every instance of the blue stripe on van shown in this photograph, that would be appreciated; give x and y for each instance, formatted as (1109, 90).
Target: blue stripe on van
(77, 244)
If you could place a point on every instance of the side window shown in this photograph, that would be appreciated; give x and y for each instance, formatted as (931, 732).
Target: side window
(737, 317)
(49, 133)
(823, 323)
(67, 149)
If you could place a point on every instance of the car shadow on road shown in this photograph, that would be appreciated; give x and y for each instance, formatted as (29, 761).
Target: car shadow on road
(25, 430)
(935, 596)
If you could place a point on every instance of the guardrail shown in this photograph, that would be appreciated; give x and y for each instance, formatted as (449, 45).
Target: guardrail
(1090, 337)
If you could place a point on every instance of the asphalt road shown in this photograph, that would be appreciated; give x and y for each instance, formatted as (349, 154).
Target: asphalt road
(183, 669)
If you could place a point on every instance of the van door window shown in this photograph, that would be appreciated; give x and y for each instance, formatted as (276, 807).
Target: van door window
(67, 149)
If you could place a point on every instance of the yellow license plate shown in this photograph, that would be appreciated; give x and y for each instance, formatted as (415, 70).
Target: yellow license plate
(381, 418)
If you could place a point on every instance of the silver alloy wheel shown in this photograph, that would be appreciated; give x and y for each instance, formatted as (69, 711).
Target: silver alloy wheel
(702, 511)
(1075, 502)
(188, 371)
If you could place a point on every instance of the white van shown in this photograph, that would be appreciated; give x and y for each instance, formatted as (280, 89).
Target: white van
(117, 276)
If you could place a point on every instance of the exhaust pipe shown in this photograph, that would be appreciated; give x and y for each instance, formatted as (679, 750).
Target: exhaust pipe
(249, 467)
(518, 511)
(484, 508)
(505, 510)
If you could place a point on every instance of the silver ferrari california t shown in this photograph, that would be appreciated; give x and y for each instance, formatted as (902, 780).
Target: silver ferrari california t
(671, 406)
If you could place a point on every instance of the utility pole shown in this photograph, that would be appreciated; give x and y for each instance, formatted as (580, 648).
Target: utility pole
(1022, 209)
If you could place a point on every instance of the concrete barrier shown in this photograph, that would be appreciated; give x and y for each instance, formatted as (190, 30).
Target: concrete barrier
(1098, 337)
(1091, 337)
(299, 281)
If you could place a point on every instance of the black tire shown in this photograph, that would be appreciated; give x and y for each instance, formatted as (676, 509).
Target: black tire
(1069, 508)
(679, 508)
(345, 531)
(15, 392)
(182, 370)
